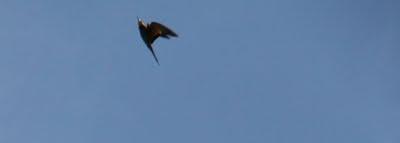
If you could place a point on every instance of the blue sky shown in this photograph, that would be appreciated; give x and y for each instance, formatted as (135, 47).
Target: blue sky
(252, 71)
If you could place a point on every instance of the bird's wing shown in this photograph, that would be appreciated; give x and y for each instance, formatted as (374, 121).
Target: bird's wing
(158, 30)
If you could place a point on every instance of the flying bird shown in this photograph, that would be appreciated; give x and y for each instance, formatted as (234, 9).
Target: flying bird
(150, 32)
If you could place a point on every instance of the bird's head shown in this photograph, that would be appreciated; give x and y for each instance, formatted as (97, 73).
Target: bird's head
(140, 22)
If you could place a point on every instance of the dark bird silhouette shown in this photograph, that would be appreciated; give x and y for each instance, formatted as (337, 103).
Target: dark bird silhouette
(150, 32)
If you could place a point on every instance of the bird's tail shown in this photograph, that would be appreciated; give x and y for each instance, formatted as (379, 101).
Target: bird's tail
(152, 52)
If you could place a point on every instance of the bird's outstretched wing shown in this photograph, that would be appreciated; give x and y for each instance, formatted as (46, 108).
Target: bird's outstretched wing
(158, 30)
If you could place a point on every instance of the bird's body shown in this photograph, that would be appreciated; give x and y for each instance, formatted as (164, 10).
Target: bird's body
(150, 32)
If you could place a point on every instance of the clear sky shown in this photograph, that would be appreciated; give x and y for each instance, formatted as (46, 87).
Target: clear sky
(242, 71)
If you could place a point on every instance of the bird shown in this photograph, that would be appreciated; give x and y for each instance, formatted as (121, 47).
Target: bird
(150, 32)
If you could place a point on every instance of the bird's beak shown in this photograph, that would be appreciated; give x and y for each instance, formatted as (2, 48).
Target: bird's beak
(138, 19)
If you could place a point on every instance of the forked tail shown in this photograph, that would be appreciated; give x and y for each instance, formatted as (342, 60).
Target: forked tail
(152, 52)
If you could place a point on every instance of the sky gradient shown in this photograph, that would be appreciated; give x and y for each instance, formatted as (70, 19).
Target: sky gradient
(242, 71)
